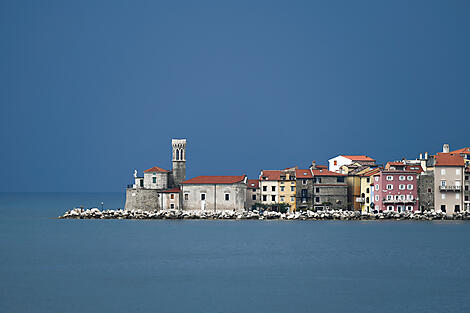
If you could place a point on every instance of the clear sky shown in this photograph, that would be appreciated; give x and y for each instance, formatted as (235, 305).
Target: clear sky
(90, 90)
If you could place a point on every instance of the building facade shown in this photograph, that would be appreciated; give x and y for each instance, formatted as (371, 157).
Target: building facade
(330, 190)
(336, 163)
(304, 189)
(269, 187)
(396, 191)
(253, 194)
(448, 181)
(287, 188)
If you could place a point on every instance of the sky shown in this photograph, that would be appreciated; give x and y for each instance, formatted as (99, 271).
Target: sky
(91, 90)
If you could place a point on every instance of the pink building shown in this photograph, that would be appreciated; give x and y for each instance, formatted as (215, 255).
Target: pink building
(395, 190)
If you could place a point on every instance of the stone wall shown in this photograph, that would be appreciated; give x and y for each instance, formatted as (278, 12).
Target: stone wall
(426, 191)
(214, 196)
(331, 191)
(142, 199)
(304, 203)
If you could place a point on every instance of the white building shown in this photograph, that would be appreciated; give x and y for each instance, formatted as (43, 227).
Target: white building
(336, 163)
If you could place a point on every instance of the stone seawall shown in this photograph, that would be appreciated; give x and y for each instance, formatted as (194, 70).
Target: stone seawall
(256, 215)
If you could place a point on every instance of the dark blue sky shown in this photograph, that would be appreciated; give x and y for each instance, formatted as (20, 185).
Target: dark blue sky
(90, 90)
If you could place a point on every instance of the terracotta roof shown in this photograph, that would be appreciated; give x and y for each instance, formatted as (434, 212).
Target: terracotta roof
(156, 169)
(253, 183)
(325, 173)
(414, 168)
(463, 150)
(174, 190)
(358, 158)
(371, 172)
(303, 174)
(449, 159)
(321, 166)
(270, 175)
(215, 180)
(396, 163)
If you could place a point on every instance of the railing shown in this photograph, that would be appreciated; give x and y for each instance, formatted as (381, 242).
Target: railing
(399, 200)
(361, 200)
(450, 188)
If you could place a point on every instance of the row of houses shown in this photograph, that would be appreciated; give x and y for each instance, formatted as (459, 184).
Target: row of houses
(437, 182)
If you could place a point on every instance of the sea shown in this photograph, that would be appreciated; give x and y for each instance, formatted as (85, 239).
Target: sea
(55, 265)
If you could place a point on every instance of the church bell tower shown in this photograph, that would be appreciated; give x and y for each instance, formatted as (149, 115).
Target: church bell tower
(179, 160)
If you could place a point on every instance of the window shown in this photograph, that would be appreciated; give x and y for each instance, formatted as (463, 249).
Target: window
(304, 182)
(203, 196)
(292, 188)
(318, 180)
(443, 171)
(457, 171)
(265, 188)
(466, 198)
(410, 178)
(466, 187)
(466, 177)
(410, 187)
(389, 177)
(402, 187)
(282, 188)
(457, 196)
(443, 208)
(376, 198)
(282, 198)
(335, 162)
(399, 208)
(317, 189)
(340, 179)
(367, 190)
(389, 197)
(409, 207)
(429, 190)
(154, 180)
(409, 197)
(273, 198)
(457, 208)
(376, 187)
(317, 199)
(402, 197)
(443, 183)
(389, 207)
(376, 178)
(172, 196)
(292, 199)
(265, 198)
(273, 188)
(186, 196)
(367, 200)
(402, 177)
(457, 183)
(227, 197)
(443, 196)
(390, 187)
(368, 179)
(254, 189)
(172, 206)
(253, 197)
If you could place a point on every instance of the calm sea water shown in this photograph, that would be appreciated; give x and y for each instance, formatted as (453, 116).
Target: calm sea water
(51, 265)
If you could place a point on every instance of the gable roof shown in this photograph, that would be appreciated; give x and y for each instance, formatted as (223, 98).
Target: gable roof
(301, 173)
(215, 180)
(358, 158)
(252, 183)
(156, 169)
(463, 150)
(449, 159)
(270, 175)
(325, 173)
(371, 172)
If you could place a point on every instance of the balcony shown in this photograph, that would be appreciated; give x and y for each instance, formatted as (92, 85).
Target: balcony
(450, 188)
(399, 200)
(361, 200)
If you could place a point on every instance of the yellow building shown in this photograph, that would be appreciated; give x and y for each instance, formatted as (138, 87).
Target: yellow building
(367, 184)
(287, 188)
(354, 173)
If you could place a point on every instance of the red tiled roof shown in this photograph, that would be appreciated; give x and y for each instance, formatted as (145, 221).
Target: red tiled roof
(174, 190)
(463, 150)
(156, 169)
(253, 183)
(358, 158)
(396, 163)
(412, 167)
(449, 159)
(215, 180)
(270, 175)
(321, 166)
(303, 174)
(325, 173)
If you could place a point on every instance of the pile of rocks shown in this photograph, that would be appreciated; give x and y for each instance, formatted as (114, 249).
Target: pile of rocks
(95, 213)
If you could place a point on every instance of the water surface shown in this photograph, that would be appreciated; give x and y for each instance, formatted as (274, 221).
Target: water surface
(51, 265)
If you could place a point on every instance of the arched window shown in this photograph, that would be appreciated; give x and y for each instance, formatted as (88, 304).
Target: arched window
(177, 154)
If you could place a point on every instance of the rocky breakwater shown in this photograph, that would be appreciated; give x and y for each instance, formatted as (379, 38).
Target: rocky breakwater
(95, 213)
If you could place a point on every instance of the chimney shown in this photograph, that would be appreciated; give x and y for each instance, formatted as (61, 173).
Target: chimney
(420, 156)
(425, 155)
(445, 148)
(314, 165)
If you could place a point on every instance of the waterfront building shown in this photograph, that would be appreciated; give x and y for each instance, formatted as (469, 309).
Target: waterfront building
(426, 190)
(367, 190)
(395, 190)
(354, 173)
(336, 163)
(253, 194)
(214, 193)
(449, 174)
(287, 188)
(330, 190)
(269, 187)
(467, 188)
(304, 189)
